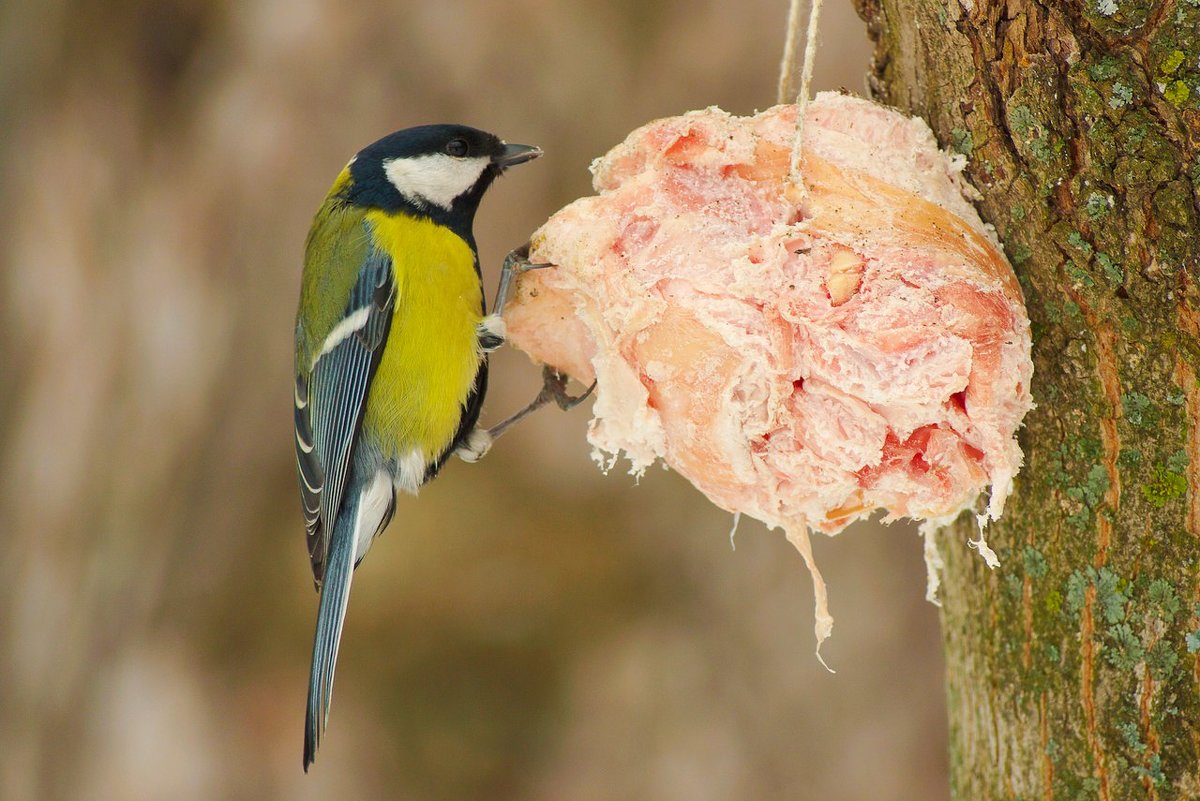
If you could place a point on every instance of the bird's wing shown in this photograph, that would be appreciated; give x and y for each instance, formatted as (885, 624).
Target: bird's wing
(331, 396)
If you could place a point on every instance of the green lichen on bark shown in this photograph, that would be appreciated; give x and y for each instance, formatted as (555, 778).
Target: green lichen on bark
(1072, 670)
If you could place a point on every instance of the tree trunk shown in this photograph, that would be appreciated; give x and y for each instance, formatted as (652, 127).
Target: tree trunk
(1072, 670)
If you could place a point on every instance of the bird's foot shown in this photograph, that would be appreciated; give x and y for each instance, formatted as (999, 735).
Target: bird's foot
(515, 263)
(491, 333)
(475, 446)
(554, 388)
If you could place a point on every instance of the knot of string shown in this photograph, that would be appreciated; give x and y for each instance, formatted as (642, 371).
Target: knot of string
(787, 72)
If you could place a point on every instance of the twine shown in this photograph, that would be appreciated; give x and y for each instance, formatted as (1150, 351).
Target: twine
(787, 71)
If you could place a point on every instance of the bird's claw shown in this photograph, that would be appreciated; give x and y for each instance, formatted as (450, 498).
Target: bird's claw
(554, 388)
(515, 263)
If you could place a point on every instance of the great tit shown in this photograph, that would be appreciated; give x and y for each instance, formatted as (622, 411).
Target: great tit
(392, 338)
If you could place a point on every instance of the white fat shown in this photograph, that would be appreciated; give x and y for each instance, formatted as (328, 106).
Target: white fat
(348, 325)
(989, 556)
(933, 558)
(434, 179)
(372, 506)
(410, 471)
(797, 535)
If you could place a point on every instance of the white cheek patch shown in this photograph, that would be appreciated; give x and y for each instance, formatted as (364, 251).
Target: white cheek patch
(434, 179)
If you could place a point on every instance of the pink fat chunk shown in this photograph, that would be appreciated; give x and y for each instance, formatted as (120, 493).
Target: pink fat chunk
(804, 357)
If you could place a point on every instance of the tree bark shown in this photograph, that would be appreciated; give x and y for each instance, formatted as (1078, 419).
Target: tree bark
(1072, 670)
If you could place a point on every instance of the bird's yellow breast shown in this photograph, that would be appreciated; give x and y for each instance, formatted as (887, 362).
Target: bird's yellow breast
(432, 356)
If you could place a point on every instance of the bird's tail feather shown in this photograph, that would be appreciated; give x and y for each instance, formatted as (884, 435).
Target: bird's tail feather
(331, 613)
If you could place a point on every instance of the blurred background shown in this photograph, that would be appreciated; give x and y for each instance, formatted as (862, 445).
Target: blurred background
(528, 628)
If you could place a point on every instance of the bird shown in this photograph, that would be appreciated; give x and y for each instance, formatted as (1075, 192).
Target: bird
(392, 344)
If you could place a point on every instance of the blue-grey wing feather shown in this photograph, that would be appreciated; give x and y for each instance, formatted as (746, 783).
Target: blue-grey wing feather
(330, 402)
(312, 478)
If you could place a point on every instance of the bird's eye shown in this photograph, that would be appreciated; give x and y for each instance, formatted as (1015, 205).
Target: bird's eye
(457, 148)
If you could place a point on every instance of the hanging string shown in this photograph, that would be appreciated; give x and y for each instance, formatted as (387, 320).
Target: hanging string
(787, 66)
(787, 71)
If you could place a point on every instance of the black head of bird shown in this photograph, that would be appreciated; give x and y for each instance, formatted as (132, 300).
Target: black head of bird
(437, 170)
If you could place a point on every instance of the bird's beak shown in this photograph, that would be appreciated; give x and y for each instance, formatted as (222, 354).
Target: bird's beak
(516, 154)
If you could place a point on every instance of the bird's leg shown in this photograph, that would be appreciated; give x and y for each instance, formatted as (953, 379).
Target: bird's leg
(491, 336)
(554, 388)
(515, 263)
(492, 330)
